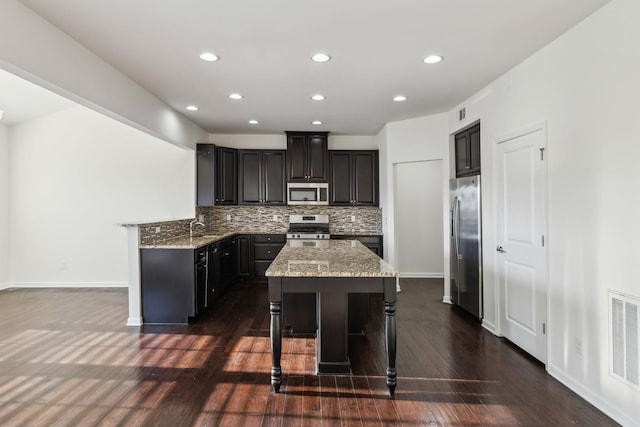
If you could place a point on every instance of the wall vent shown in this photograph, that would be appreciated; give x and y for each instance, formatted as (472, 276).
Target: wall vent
(624, 338)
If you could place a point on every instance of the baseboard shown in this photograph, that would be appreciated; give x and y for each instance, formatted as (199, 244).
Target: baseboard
(447, 300)
(69, 285)
(134, 321)
(595, 400)
(5, 286)
(490, 326)
(422, 275)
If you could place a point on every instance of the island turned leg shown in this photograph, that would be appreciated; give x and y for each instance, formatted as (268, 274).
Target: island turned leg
(276, 345)
(390, 333)
(275, 308)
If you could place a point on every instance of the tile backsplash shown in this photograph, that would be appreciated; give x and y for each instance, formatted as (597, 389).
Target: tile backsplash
(275, 219)
(156, 232)
(264, 219)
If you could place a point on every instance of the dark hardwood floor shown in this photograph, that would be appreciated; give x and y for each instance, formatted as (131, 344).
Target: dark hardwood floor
(66, 359)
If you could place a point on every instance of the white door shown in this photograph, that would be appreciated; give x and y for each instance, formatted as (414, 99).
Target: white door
(521, 233)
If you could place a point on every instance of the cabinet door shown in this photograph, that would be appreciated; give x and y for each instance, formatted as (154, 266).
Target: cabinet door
(467, 152)
(213, 275)
(474, 149)
(296, 158)
(206, 177)
(340, 178)
(250, 180)
(273, 165)
(365, 178)
(317, 158)
(244, 258)
(462, 153)
(227, 176)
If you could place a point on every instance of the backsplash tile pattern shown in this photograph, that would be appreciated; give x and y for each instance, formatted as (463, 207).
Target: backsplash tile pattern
(368, 220)
(168, 230)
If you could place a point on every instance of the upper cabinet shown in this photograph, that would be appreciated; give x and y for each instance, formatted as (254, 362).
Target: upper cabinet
(307, 156)
(227, 176)
(261, 177)
(216, 175)
(353, 178)
(206, 174)
(467, 146)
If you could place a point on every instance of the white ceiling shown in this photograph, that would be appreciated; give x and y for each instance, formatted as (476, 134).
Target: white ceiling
(377, 49)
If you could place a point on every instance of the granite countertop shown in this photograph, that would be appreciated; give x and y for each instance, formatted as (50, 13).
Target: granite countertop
(330, 258)
(196, 242)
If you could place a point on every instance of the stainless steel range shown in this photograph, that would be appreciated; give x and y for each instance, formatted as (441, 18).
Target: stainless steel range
(308, 227)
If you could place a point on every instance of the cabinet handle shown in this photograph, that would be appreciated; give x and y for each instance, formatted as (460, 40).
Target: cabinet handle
(268, 252)
(269, 238)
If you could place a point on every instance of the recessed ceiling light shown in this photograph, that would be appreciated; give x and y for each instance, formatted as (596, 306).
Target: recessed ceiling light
(192, 108)
(253, 122)
(316, 122)
(235, 96)
(318, 97)
(209, 57)
(321, 57)
(399, 98)
(432, 59)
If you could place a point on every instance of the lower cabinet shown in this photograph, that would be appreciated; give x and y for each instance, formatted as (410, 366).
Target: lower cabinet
(178, 285)
(255, 254)
(173, 284)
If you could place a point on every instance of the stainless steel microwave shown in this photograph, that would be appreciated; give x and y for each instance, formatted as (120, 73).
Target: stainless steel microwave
(308, 193)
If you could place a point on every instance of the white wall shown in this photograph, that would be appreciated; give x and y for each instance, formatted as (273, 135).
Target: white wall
(418, 218)
(4, 207)
(71, 70)
(76, 173)
(585, 85)
(421, 139)
(279, 142)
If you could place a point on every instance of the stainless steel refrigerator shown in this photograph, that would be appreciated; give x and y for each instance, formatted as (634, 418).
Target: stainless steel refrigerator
(466, 244)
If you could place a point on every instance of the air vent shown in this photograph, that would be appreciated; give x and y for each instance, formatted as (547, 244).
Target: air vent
(624, 349)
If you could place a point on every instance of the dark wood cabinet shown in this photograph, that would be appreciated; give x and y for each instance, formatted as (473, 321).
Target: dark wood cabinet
(206, 175)
(244, 259)
(228, 263)
(227, 176)
(265, 249)
(467, 151)
(307, 156)
(173, 284)
(262, 177)
(255, 254)
(216, 171)
(353, 178)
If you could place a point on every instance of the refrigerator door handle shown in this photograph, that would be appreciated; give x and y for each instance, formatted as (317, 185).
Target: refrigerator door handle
(456, 226)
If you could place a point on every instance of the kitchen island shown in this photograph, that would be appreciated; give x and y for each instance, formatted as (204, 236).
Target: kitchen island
(331, 269)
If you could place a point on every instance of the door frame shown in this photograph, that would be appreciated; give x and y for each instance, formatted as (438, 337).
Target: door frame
(499, 294)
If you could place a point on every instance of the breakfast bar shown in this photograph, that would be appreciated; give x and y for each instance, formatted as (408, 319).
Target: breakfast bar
(332, 269)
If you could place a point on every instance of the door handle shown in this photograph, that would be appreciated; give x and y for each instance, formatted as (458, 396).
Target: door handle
(501, 250)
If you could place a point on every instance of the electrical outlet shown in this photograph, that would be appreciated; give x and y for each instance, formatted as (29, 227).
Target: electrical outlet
(353, 218)
(157, 230)
(228, 217)
(275, 218)
(578, 345)
(201, 218)
(63, 265)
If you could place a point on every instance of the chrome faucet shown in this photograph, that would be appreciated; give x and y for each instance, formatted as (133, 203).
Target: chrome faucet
(194, 223)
